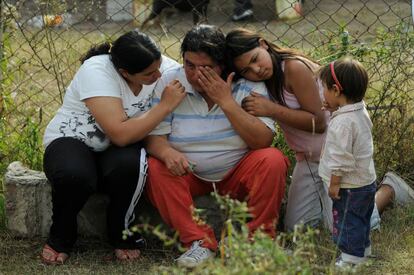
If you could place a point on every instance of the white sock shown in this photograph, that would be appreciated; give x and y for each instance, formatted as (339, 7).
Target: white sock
(368, 251)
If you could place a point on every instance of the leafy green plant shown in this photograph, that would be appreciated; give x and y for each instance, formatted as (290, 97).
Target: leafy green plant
(242, 253)
(29, 144)
(338, 44)
(6, 80)
(391, 100)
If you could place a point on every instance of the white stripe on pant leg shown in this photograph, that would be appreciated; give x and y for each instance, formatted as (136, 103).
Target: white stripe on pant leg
(143, 167)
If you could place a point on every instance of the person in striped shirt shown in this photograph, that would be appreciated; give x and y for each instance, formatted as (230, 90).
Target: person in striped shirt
(209, 143)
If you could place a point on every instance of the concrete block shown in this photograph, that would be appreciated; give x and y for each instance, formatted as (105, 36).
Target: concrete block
(29, 207)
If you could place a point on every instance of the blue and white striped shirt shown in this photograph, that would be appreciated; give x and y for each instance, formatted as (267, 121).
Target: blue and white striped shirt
(205, 136)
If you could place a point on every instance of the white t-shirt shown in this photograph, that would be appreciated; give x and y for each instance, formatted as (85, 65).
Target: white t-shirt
(97, 77)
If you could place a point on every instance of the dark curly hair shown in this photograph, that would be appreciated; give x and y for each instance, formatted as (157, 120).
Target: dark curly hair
(207, 39)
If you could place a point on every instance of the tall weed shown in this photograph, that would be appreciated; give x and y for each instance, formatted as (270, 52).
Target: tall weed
(241, 253)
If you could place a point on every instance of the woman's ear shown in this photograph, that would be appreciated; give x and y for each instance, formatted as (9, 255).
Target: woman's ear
(263, 44)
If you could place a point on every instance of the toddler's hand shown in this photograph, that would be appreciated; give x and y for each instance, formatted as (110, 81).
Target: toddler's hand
(334, 191)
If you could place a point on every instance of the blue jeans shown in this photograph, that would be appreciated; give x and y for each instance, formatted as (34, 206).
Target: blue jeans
(351, 219)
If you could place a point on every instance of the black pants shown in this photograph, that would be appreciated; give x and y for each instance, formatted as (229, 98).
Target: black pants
(76, 172)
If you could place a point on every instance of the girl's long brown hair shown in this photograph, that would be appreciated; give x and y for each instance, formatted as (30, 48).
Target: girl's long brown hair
(240, 41)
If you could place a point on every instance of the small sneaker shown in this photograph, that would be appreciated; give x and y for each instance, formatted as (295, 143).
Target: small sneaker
(368, 252)
(341, 264)
(345, 267)
(195, 256)
(404, 194)
(350, 262)
(375, 221)
(242, 16)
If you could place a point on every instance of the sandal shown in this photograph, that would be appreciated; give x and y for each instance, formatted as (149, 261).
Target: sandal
(126, 255)
(52, 257)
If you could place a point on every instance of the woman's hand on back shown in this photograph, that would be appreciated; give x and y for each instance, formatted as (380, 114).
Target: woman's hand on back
(258, 105)
(172, 95)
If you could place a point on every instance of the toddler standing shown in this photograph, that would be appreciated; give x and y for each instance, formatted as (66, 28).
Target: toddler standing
(347, 164)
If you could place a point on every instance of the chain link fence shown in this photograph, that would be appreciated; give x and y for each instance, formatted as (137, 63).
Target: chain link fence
(42, 41)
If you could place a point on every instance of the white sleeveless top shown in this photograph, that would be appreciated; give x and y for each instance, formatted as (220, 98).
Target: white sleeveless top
(302, 142)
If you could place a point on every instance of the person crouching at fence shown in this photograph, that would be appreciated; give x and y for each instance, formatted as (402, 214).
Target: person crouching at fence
(93, 142)
(347, 164)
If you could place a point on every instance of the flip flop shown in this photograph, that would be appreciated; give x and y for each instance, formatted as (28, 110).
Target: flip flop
(59, 257)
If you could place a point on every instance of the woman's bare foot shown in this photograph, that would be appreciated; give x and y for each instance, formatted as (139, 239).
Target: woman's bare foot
(52, 257)
(127, 254)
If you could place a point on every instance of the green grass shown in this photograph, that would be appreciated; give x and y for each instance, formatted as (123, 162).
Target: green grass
(394, 244)
(393, 247)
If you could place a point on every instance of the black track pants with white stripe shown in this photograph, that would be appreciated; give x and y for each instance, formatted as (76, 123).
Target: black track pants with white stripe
(76, 172)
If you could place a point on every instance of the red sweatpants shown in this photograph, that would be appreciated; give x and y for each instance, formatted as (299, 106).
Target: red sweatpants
(259, 178)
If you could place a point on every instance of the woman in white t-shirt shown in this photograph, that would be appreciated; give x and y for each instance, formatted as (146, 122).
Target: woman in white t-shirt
(93, 142)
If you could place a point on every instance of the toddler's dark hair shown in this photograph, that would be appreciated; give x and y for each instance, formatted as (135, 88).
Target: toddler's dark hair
(351, 76)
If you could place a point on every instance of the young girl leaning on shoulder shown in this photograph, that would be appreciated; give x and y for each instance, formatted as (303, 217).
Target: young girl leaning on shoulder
(347, 164)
